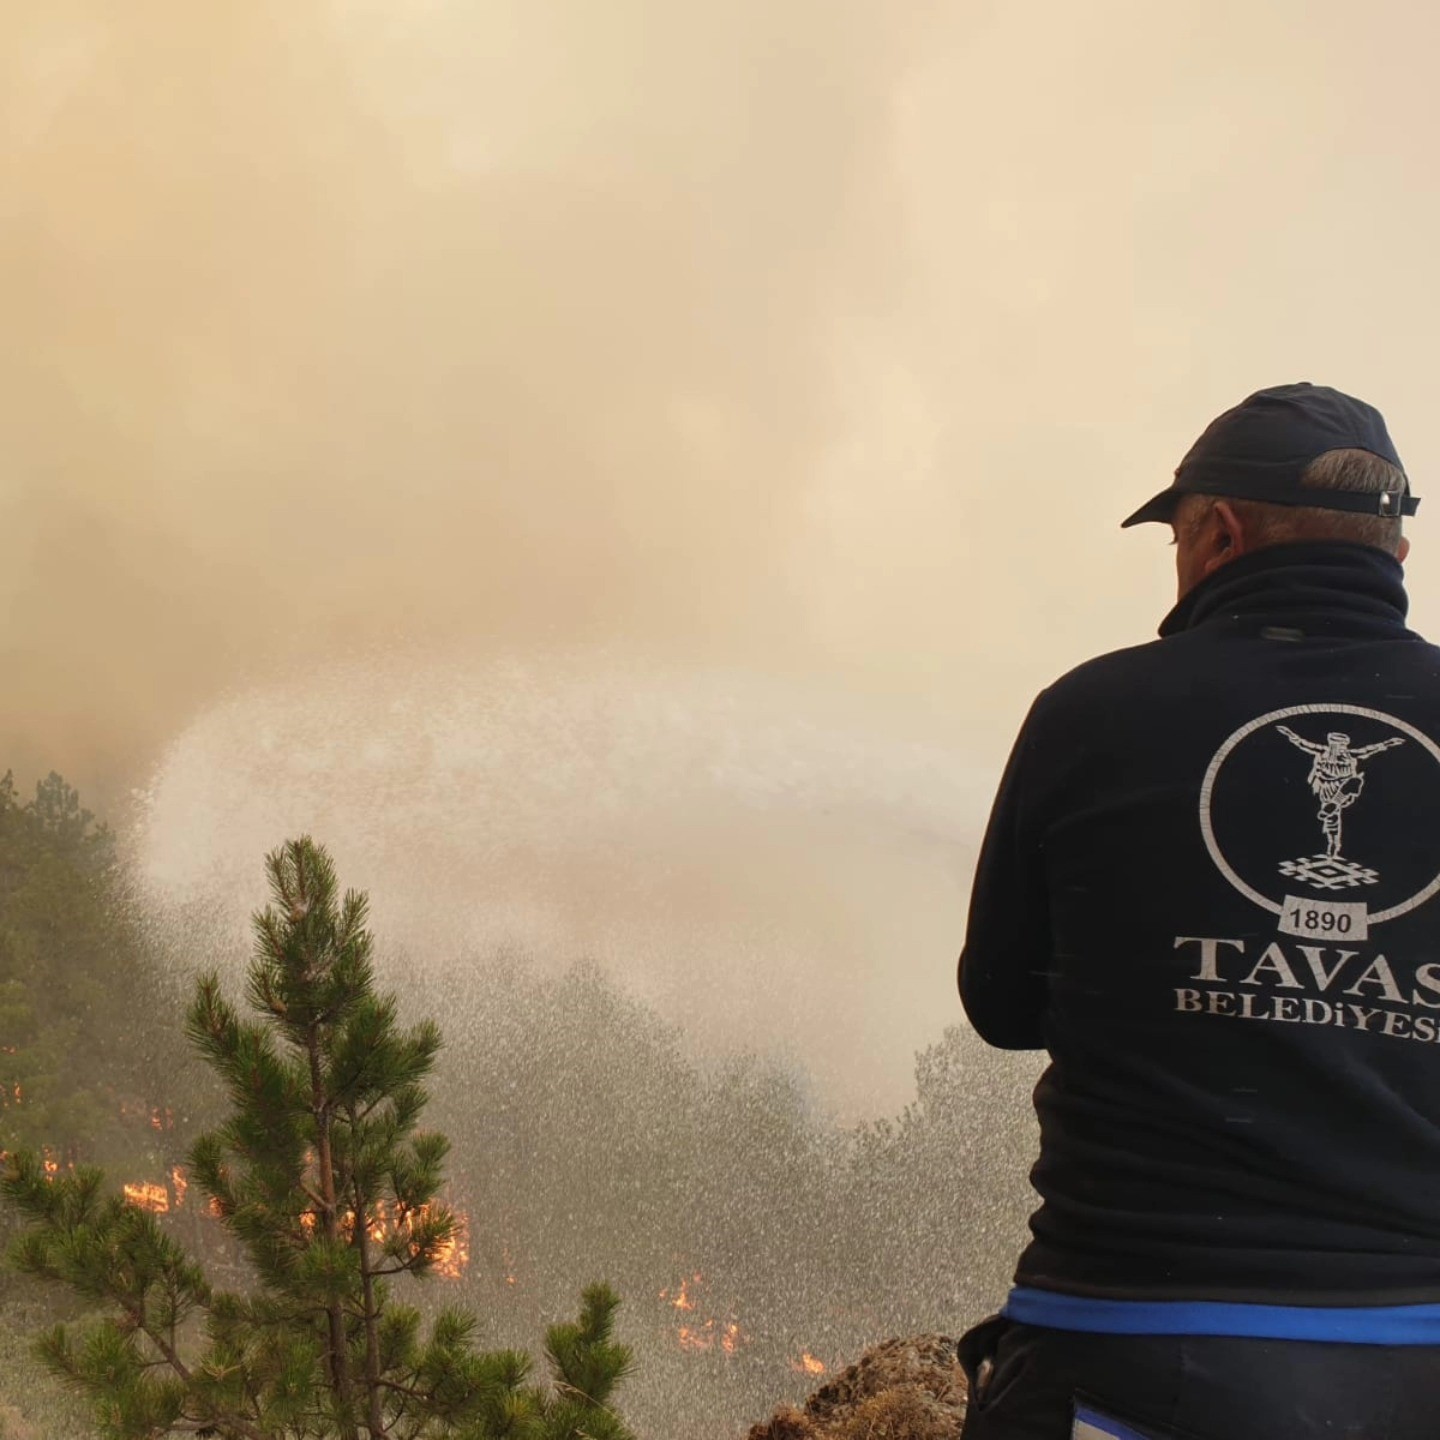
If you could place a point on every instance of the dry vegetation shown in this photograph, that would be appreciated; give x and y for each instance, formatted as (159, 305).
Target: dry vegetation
(901, 1390)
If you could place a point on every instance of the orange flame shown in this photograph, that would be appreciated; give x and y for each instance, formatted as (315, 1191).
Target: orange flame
(148, 1197)
(807, 1364)
(47, 1160)
(728, 1337)
(451, 1261)
(708, 1334)
(682, 1300)
(454, 1256)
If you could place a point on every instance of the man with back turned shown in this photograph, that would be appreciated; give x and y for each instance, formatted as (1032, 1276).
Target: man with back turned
(1210, 888)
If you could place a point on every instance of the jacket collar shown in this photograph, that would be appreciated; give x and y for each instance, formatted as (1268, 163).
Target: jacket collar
(1323, 587)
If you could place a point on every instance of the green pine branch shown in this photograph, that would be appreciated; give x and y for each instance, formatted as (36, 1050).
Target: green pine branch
(323, 1175)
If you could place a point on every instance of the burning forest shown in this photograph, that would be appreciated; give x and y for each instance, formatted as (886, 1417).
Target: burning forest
(755, 1245)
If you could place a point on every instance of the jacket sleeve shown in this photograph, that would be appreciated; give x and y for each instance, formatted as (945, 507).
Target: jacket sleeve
(1005, 965)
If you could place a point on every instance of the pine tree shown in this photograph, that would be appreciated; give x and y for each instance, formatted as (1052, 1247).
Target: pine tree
(324, 1176)
(81, 1012)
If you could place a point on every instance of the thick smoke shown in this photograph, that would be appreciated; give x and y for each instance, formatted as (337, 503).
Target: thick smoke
(808, 337)
(486, 326)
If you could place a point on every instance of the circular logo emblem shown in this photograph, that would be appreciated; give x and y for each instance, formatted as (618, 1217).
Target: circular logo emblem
(1326, 815)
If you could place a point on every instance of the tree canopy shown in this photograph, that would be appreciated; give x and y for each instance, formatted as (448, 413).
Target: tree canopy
(82, 1015)
(323, 1174)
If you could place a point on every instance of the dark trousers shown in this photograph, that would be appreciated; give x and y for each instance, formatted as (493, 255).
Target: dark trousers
(1024, 1381)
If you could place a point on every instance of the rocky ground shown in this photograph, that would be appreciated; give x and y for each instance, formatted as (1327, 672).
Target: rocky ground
(900, 1390)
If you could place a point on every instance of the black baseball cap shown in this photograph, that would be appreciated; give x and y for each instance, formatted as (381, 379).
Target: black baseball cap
(1259, 450)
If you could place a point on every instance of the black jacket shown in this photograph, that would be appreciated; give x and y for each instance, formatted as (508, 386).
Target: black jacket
(1209, 889)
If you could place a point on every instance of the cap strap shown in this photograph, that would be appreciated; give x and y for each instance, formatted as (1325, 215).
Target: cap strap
(1388, 503)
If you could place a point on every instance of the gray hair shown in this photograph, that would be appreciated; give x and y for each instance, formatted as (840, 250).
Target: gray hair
(1267, 524)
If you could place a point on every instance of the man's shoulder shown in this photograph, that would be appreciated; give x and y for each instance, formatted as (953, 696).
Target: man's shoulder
(1101, 674)
(1179, 663)
(1076, 706)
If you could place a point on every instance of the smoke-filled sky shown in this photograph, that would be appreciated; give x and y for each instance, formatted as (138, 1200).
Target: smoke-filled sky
(618, 473)
(818, 338)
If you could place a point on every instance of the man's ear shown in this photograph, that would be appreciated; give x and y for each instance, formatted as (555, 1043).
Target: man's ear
(1403, 549)
(1227, 540)
(1232, 530)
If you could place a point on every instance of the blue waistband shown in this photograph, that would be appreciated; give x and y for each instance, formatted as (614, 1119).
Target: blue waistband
(1340, 1324)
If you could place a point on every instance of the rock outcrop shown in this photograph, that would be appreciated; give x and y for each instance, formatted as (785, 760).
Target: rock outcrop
(900, 1390)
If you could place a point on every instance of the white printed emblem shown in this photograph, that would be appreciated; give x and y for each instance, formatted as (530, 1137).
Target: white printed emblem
(1336, 780)
(1299, 840)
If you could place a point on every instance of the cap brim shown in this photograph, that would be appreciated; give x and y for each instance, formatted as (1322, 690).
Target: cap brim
(1162, 507)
